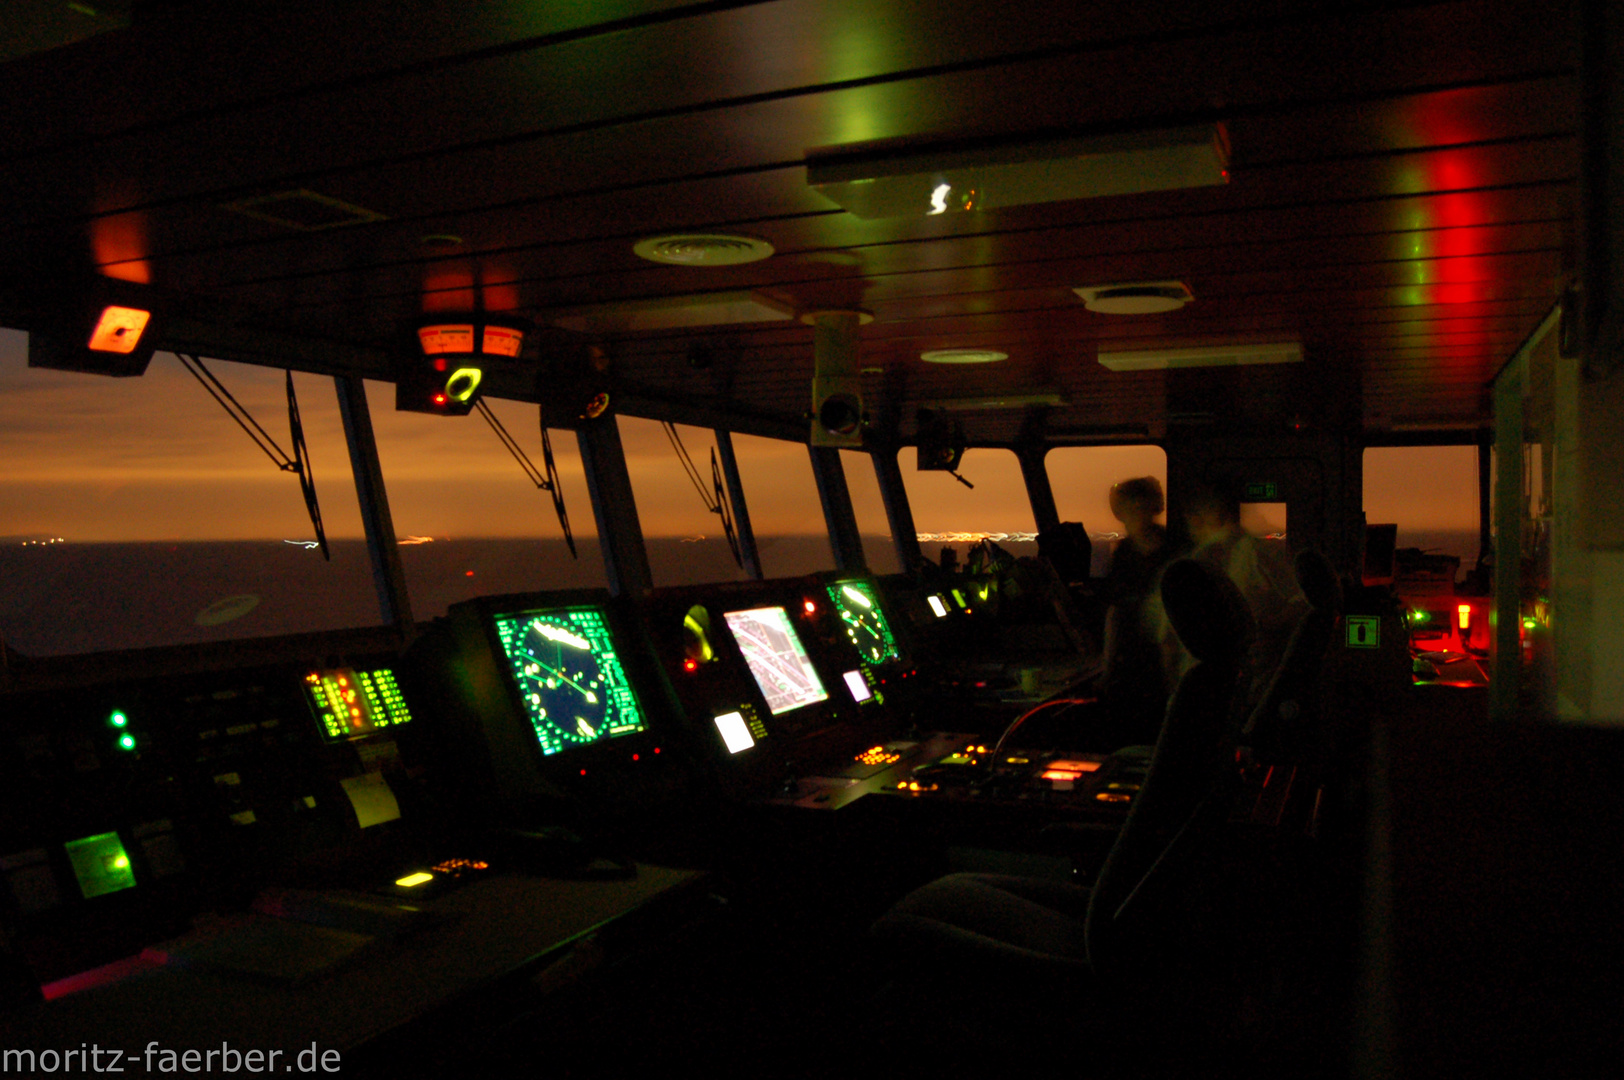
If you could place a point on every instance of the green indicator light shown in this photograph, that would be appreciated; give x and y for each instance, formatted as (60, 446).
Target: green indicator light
(127, 741)
(100, 865)
(118, 719)
(1530, 623)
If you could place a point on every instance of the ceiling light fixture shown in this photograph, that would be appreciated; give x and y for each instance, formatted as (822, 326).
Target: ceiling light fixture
(963, 356)
(1284, 352)
(702, 249)
(1002, 401)
(880, 180)
(675, 313)
(1136, 298)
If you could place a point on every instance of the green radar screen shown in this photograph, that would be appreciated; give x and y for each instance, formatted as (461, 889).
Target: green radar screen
(571, 683)
(865, 622)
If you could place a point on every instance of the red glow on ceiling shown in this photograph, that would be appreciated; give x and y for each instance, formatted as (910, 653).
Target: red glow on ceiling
(449, 289)
(119, 244)
(499, 290)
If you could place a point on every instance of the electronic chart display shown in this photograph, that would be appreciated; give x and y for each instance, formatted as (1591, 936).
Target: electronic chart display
(776, 658)
(865, 623)
(571, 683)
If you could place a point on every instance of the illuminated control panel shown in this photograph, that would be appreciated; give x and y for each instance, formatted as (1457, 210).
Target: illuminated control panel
(570, 680)
(350, 703)
(878, 755)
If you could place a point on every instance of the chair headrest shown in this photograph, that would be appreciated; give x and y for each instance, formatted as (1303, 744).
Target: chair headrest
(1318, 581)
(1206, 610)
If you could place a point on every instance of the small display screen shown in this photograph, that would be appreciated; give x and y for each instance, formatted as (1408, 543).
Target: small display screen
(735, 732)
(936, 605)
(776, 658)
(858, 686)
(348, 703)
(100, 864)
(571, 683)
(865, 622)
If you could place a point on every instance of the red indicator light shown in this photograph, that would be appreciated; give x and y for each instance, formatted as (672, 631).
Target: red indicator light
(468, 573)
(656, 749)
(583, 772)
(690, 665)
(636, 758)
(439, 364)
(811, 608)
(439, 399)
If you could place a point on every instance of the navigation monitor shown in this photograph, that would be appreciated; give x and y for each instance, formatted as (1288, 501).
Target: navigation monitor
(776, 658)
(865, 622)
(349, 702)
(571, 683)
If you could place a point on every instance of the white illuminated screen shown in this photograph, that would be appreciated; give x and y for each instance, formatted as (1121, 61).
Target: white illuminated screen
(773, 650)
(735, 733)
(937, 606)
(858, 686)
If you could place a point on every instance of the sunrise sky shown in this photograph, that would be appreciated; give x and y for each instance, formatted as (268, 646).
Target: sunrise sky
(91, 458)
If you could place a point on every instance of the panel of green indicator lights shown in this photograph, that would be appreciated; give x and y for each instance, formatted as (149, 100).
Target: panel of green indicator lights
(349, 703)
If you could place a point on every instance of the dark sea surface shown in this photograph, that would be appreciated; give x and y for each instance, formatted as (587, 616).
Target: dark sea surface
(78, 598)
(68, 598)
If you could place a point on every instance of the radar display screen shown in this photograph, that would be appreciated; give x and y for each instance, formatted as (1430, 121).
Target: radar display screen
(776, 658)
(349, 703)
(865, 622)
(571, 683)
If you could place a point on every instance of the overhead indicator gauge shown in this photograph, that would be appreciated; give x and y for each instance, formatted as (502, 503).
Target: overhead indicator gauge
(865, 622)
(571, 683)
(776, 658)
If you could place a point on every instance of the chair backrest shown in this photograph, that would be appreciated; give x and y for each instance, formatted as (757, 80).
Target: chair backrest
(1194, 753)
(1282, 726)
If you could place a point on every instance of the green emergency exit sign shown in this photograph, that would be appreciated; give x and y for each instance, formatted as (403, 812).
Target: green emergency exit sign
(1262, 491)
(1364, 631)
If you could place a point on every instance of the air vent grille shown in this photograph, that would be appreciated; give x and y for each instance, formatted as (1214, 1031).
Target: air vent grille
(702, 249)
(305, 210)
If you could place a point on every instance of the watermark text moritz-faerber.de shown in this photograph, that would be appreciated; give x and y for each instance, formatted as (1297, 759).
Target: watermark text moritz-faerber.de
(157, 1059)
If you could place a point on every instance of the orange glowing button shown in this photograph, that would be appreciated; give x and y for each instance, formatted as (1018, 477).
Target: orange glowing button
(1063, 775)
(119, 329)
(1076, 766)
(446, 338)
(501, 341)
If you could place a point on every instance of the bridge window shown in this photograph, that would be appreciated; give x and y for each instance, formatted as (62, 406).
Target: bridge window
(784, 507)
(1430, 492)
(469, 521)
(1081, 479)
(686, 544)
(947, 513)
(875, 528)
(134, 512)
